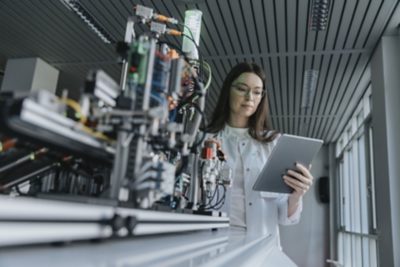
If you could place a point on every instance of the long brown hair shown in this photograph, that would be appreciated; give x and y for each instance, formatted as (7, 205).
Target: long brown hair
(259, 127)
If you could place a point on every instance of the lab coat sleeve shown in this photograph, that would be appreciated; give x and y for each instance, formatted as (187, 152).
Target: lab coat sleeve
(283, 211)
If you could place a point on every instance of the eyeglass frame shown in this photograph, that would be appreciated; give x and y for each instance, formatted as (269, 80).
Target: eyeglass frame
(248, 91)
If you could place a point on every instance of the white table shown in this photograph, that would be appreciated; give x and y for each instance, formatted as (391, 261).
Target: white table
(224, 247)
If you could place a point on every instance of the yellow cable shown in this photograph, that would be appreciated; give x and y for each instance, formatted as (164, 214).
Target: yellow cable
(82, 119)
(76, 107)
(96, 134)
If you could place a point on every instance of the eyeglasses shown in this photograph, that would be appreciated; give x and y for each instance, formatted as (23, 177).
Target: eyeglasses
(245, 91)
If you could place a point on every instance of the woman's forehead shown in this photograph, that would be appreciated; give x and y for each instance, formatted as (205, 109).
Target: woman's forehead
(250, 79)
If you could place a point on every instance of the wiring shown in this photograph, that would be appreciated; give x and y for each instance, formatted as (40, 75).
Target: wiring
(208, 83)
(221, 202)
(188, 28)
(76, 107)
(198, 51)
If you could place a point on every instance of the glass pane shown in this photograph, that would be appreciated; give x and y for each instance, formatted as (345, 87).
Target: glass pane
(347, 250)
(353, 251)
(356, 207)
(372, 253)
(358, 251)
(360, 118)
(346, 190)
(350, 191)
(341, 195)
(372, 174)
(365, 252)
(340, 248)
(363, 185)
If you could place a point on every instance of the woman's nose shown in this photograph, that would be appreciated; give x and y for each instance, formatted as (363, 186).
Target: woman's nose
(249, 95)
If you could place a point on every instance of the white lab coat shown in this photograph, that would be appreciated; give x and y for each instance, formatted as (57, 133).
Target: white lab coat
(264, 210)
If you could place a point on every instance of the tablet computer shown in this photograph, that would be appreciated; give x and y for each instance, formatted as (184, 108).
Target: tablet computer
(288, 150)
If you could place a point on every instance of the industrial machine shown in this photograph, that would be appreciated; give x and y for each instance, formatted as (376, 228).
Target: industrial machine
(125, 158)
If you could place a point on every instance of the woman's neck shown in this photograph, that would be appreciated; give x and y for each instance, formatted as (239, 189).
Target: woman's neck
(238, 122)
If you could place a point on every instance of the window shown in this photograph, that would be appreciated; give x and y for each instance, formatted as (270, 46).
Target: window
(356, 202)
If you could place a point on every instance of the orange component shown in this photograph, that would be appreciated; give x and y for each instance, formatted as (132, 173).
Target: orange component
(172, 54)
(172, 103)
(9, 143)
(174, 32)
(162, 18)
(207, 153)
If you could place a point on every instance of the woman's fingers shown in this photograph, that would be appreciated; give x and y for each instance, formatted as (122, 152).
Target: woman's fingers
(296, 185)
(304, 170)
(302, 178)
(296, 182)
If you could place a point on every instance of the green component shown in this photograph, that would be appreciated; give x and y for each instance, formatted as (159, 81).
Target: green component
(143, 49)
(139, 51)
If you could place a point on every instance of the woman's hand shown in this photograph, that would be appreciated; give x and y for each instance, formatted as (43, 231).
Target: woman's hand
(300, 180)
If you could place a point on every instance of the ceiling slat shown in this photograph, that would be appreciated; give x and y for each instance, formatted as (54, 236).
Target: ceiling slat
(269, 87)
(261, 30)
(238, 22)
(290, 99)
(273, 34)
(76, 35)
(270, 26)
(346, 98)
(276, 87)
(284, 89)
(299, 81)
(23, 31)
(250, 33)
(225, 10)
(311, 120)
(368, 26)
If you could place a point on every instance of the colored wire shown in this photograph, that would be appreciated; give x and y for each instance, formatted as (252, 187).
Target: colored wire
(76, 107)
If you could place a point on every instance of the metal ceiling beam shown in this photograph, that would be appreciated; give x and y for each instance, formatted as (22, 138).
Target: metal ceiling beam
(296, 53)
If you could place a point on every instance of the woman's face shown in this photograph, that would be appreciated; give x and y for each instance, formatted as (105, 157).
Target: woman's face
(245, 96)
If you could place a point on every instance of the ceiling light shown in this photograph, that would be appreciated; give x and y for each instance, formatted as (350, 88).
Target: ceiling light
(319, 14)
(309, 85)
(90, 20)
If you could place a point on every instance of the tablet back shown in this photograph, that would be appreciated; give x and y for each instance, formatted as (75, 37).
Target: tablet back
(288, 150)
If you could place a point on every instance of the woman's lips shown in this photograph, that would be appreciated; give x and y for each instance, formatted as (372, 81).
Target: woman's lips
(247, 106)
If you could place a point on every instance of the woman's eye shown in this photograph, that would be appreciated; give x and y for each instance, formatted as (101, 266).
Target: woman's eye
(242, 89)
(257, 93)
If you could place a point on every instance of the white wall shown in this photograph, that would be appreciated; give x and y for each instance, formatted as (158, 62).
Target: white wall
(307, 243)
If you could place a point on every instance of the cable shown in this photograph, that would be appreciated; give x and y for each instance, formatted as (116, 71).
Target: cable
(95, 134)
(203, 121)
(76, 107)
(187, 27)
(198, 51)
(82, 119)
(193, 41)
(222, 201)
(176, 48)
(207, 206)
(209, 75)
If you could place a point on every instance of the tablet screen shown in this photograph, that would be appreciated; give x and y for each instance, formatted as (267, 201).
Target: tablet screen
(288, 150)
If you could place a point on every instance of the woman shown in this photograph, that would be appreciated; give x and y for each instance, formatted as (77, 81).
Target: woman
(247, 140)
